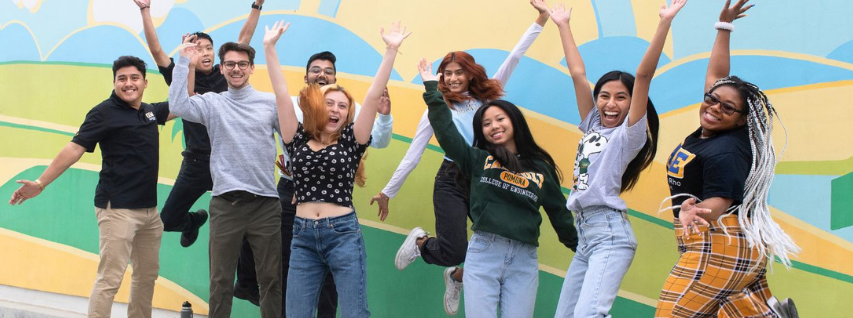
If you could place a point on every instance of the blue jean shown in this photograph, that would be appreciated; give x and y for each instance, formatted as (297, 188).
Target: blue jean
(500, 271)
(606, 248)
(321, 246)
(247, 276)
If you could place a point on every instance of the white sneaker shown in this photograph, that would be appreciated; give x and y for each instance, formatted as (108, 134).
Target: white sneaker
(452, 291)
(783, 309)
(409, 250)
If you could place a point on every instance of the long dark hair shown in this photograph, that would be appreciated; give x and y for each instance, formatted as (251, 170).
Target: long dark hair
(528, 149)
(644, 158)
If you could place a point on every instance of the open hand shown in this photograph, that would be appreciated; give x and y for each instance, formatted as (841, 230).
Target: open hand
(143, 3)
(560, 15)
(188, 46)
(689, 216)
(669, 13)
(425, 69)
(28, 190)
(735, 12)
(395, 35)
(384, 103)
(382, 199)
(272, 35)
(540, 6)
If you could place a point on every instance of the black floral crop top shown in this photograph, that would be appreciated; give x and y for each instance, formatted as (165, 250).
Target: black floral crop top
(326, 175)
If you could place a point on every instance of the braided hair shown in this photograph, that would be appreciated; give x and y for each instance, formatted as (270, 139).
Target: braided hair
(753, 213)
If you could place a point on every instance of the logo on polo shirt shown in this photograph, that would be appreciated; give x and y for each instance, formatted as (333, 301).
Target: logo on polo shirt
(150, 116)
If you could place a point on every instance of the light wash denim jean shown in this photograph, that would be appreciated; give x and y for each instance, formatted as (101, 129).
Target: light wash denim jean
(499, 271)
(327, 245)
(606, 247)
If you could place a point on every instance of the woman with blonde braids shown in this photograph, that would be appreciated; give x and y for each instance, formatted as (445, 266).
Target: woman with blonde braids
(719, 178)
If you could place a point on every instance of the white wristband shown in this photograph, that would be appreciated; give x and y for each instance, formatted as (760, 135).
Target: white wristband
(724, 26)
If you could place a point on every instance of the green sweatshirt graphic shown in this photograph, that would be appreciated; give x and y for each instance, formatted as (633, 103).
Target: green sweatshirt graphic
(503, 202)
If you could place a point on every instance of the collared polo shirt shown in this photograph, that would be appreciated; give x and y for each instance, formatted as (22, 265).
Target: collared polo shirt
(195, 134)
(130, 146)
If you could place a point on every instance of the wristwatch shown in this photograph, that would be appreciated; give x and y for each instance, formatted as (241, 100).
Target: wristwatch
(255, 6)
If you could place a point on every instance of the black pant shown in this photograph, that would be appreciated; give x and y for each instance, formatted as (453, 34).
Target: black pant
(246, 275)
(449, 245)
(192, 182)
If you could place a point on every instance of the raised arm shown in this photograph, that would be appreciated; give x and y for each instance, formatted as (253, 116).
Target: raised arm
(554, 204)
(286, 115)
(364, 123)
(649, 63)
(30, 189)
(508, 66)
(251, 23)
(410, 161)
(160, 57)
(561, 16)
(383, 124)
(181, 104)
(441, 120)
(719, 64)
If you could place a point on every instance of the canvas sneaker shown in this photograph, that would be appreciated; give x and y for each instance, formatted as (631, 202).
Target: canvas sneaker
(452, 291)
(409, 251)
(783, 309)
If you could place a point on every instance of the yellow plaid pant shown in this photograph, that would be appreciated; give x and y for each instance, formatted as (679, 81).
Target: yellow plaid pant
(718, 275)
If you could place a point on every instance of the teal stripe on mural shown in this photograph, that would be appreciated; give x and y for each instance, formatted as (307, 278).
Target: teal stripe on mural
(409, 140)
(36, 128)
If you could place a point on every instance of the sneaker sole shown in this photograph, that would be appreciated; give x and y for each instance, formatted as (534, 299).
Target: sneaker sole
(447, 283)
(410, 239)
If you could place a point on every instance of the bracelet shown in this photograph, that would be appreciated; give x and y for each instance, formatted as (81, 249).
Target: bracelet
(255, 6)
(38, 182)
(145, 7)
(396, 50)
(724, 26)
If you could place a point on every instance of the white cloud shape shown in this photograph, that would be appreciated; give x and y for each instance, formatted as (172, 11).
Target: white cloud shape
(126, 12)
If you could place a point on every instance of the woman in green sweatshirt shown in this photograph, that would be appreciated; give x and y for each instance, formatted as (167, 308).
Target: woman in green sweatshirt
(511, 177)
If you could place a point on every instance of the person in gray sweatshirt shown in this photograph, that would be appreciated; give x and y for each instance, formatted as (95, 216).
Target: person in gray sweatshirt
(241, 123)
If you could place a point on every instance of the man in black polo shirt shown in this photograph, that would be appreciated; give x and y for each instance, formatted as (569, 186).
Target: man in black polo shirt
(126, 196)
(194, 177)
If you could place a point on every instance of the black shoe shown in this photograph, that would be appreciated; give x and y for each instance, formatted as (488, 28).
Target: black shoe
(189, 237)
(249, 294)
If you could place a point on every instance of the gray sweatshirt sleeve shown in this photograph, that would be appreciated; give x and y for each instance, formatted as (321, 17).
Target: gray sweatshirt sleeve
(181, 104)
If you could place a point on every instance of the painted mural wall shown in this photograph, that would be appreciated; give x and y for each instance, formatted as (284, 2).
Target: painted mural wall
(55, 59)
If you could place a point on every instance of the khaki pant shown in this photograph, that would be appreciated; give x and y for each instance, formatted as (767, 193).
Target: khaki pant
(127, 235)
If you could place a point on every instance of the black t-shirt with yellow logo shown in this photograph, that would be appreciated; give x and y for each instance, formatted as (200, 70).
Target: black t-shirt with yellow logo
(716, 166)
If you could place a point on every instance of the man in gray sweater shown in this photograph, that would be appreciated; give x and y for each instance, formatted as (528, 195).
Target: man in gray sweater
(241, 123)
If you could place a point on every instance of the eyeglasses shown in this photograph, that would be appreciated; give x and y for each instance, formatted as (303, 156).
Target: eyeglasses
(727, 108)
(316, 70)
(229, 65)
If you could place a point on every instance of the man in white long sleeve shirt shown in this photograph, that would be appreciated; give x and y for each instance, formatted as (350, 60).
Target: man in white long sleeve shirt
(320, 70)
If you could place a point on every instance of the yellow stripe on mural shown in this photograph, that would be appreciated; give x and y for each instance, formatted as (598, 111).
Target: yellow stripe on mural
(35, 268)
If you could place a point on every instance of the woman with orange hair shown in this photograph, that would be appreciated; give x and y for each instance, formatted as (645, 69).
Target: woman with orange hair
(325, 153)
(466, 88)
